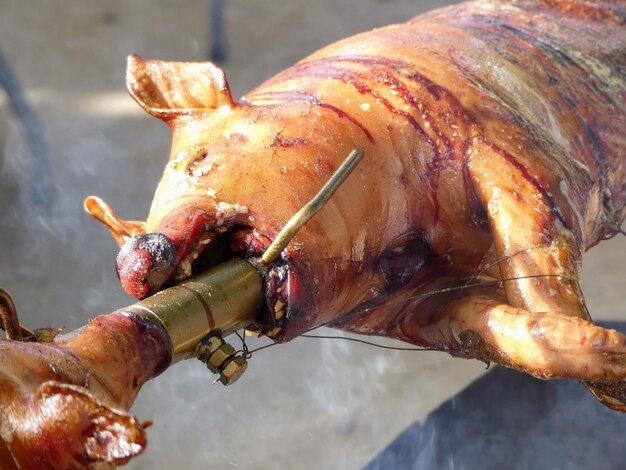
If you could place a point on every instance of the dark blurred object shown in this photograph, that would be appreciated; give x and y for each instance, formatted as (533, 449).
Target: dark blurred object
(3, 124)
(507, 419)
(219, 50)
(41, 191)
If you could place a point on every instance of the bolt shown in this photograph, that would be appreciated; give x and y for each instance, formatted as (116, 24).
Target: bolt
(207, 347)
(233, 370)
(220, 356)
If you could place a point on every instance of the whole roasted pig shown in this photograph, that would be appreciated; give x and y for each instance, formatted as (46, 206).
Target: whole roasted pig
(493, 137)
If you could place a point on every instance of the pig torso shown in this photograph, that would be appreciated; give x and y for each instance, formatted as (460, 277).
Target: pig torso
(422, 98)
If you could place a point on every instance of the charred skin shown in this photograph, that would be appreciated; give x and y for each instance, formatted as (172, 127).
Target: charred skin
(493, 138)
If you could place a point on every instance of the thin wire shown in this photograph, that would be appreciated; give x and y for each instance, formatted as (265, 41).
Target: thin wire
(249, 352)
(369, 343)
(505, 258)
(488, 283)
(443, 290)
(245, 350)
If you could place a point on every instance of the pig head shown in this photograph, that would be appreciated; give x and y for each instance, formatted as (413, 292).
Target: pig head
(238, 170)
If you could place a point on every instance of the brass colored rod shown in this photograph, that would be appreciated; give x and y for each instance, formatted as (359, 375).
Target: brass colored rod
(225, 299)
(301, 217)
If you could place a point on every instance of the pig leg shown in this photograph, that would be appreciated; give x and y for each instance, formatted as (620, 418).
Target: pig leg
(545, 345)
(540, 256)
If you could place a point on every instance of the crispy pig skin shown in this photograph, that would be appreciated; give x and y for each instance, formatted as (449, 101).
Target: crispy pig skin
(494, 150)
(63, 404)
(534, 85)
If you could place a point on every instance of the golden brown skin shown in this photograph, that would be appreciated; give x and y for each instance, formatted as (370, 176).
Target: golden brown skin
(63, 403)
(494, 150)
(494, 156)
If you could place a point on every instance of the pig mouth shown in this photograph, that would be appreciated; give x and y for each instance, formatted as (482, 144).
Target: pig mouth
(184, 245)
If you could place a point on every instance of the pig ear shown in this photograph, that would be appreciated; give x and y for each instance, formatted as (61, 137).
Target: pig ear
(168, 89)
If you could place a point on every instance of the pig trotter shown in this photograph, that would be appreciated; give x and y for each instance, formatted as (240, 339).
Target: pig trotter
(64, 403)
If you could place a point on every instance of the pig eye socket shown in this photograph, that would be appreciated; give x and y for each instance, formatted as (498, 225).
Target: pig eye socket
(195, 162)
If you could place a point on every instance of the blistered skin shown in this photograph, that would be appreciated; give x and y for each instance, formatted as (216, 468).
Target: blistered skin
(494, 151)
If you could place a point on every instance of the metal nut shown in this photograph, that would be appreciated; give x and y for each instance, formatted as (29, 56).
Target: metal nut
(214, 343)
(207, 347)
(220, 356)
(233, 370)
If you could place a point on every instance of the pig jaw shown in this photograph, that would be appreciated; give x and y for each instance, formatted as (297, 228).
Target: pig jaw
(182, 244)
(146, 263)
(179, 244)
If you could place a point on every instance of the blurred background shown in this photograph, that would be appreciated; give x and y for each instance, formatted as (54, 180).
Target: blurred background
(68, 130)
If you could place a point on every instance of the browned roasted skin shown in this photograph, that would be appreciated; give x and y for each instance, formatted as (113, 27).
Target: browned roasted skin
(494, 150)
(493, 134)
(63, 405)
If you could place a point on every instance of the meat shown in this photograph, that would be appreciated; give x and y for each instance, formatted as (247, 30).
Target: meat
(493, 137)
(63, 403)
(494, 157)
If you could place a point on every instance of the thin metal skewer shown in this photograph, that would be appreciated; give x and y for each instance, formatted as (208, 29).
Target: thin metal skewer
(310, 208)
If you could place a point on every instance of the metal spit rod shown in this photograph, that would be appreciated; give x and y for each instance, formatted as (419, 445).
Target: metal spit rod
(222, 300)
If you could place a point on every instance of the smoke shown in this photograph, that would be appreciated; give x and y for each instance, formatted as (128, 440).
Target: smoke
(510, 420)
(307, 404)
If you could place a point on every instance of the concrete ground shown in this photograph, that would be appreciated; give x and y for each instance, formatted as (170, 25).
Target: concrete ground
(307, 404)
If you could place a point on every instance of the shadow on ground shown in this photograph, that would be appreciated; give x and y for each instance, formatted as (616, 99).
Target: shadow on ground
(507, 419)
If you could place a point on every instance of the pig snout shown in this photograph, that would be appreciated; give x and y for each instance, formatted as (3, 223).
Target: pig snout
(172, 251)
(145, 263)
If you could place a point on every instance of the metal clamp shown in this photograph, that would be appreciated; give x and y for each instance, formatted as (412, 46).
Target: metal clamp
(221, 358)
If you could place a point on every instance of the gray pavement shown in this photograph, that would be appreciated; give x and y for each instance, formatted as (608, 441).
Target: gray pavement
(309, 404)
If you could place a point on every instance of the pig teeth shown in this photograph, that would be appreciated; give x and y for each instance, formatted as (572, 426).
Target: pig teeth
(185, 266)
(184, 269)
(205, 239)
(279, 311)
(274, 331)
(278, 306)
(278, 314)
